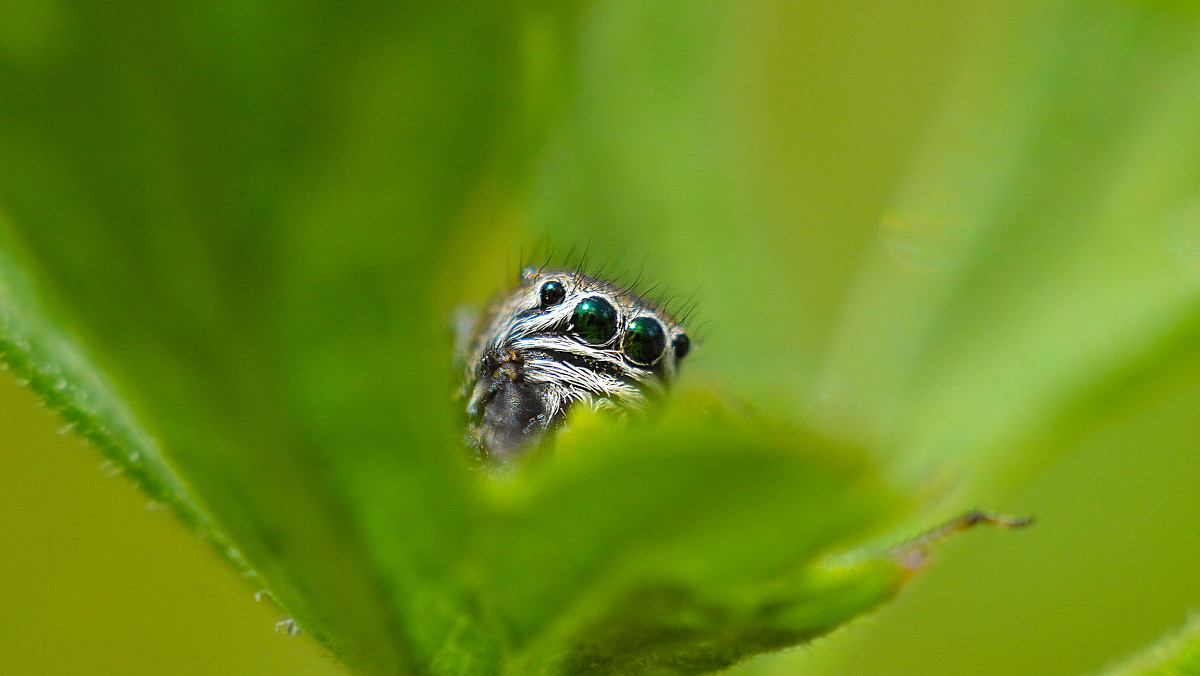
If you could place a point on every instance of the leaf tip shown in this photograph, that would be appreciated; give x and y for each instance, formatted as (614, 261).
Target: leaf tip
(914, 553)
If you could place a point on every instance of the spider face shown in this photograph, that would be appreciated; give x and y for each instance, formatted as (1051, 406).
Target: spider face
(558, 339)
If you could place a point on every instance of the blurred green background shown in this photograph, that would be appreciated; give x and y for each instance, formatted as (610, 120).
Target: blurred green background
(965, 236)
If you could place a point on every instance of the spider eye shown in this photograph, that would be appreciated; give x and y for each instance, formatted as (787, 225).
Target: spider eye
(682, 346)
(553, 293)
(644, 341)
(595, 320)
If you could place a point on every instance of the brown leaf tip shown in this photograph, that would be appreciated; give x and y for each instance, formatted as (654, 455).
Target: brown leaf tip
(912, 554)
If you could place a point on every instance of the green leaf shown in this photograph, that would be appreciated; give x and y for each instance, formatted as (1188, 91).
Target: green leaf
(240, 209)
(254, 217)
(1176, 654)
(1042, 248)
(686, 542)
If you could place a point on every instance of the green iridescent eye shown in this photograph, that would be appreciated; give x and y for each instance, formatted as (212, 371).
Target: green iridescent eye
(644, 341)
(595, 320)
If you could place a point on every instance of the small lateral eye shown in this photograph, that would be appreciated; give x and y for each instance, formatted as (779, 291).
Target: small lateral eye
(645, 341)
(552, 293)
(682, 346)
(595, 320)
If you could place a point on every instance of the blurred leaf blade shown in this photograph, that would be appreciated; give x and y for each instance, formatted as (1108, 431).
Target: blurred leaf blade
(686, 542)
(204, 189)
(1176, 654)
(668, 629)
(699, 144)
(1018, 281)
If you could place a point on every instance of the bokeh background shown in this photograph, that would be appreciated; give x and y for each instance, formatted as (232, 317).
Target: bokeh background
(962, 235)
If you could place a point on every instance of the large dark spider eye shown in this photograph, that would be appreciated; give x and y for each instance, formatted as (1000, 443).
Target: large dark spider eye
(595, 320)
(644, 341)
(682, 346)
(553, 293)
